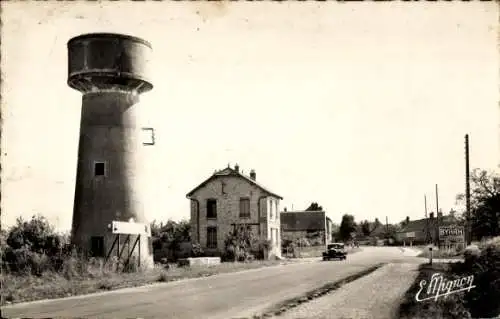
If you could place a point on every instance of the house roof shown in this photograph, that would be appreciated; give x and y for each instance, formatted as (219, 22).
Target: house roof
(415, 225)
(232, 172)
(302, 220)
(420, 224)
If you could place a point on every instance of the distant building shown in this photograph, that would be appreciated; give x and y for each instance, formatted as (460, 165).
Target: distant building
(313, 225)
(423, 231)
(376, 235)
(228, 199)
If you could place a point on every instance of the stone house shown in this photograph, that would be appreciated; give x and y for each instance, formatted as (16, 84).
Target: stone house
(228, 199)
(314, 225)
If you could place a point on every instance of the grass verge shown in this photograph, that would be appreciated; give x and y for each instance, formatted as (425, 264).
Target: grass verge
(282, 307)
(50, 285)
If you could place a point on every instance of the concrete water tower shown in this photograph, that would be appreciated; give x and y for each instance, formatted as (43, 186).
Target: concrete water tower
(110, 70)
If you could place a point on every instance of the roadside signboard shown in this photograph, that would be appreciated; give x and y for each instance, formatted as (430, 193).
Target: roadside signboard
(452, 234)
(130, 228)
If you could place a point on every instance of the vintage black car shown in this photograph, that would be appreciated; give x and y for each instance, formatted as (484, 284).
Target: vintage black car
(335, 251)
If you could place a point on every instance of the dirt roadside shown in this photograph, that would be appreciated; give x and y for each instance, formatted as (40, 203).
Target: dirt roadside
(375, 296)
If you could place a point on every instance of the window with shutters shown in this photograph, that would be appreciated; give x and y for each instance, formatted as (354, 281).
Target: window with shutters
(244, 208)
(211, 237)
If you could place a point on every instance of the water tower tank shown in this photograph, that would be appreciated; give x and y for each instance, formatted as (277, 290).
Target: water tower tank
(111, 71)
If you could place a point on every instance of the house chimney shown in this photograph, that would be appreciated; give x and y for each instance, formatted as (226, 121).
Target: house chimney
(407, 219)
(431, 215)
(253, 176)
(285, 209)
(237, 168)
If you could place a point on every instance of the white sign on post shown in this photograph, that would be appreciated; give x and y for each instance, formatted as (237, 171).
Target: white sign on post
(130, 228)
(410, 234)
(452, 233)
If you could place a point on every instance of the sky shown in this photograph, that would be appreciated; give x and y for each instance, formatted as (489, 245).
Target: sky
(361, 107)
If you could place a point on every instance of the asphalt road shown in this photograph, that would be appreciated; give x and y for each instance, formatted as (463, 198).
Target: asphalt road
(233, 295)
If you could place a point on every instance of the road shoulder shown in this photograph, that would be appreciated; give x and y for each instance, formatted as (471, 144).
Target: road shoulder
(375, 296)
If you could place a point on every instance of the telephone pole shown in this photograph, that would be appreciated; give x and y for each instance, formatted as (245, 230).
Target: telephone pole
(428, 237)
(467, 191)
(437, 216)
(386, 228)
(425, 203)
(437, 199)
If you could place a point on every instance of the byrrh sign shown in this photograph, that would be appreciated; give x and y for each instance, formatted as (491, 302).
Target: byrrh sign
(451, 233)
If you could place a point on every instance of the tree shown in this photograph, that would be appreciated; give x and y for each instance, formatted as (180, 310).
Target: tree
(390, 231)
(485, 203)
(375, 225)
(347, 227)
(37, 235)
(335, 232)
(170, 235)
(365, 228)
(314, 207)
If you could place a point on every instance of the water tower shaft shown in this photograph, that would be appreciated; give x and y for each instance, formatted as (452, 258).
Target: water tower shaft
(110, 70)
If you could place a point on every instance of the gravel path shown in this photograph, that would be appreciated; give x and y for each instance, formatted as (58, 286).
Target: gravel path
(375, 296)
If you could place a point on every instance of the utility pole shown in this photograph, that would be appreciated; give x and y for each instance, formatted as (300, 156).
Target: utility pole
(437, 199)
(467, 191)
(387, 229)
(428, 237)
(425, 203)
(437, 216)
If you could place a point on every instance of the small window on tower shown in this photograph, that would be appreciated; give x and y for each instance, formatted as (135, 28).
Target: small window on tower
(148, 136)
(99, 169)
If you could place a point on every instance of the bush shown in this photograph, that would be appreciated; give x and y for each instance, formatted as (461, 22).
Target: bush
(484, 263)
(241, 245)
(197, 250)
(168, 240)
(32, 247)
(483, 300)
